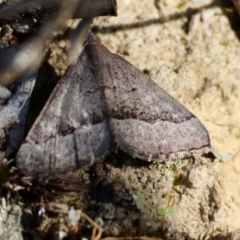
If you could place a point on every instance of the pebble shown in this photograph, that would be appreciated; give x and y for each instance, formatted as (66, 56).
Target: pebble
(207, 14)
(143, 179)
(6, 32)
(62, 44)
(150, 185)
(74, 216)
(86, 176)
(153, 180)
(5, 94)
(132, 177)
(25, 26)
(62, 234)
(155, 201)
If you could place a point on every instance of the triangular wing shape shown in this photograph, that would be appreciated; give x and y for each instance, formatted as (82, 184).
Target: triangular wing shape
(72, 130)
(146, 121)
(103, 100)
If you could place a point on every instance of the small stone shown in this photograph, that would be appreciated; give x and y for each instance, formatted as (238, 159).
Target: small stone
(6, 32)
(155, 201)
(150, 185)
(153, 180)
(74, 216)
(143, 179)
(207, 14)
(62, 44)
(99, 221)
(4, 93)
(86, 176)
(62, 234)
(25, 26)
(132, 177)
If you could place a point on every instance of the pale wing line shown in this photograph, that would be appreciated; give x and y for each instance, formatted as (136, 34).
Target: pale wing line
(78, 79)
(146, 108)
(81, 108)
(87, 118)
(52, 101)
(137, 98)
(103, 75)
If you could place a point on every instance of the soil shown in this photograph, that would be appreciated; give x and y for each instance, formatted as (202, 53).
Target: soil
(191, 50)
(193, 57)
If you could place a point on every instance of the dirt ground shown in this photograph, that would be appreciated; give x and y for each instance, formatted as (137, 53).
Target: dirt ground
(194, 57)
(192, 50)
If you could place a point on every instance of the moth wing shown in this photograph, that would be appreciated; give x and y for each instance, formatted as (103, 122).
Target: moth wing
(103, 100)
(146, 121)
(72, 129)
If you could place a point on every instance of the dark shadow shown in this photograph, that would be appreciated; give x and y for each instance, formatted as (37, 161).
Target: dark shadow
(140, 24)
(227, 7)
(230, 12)
(113, 199)
(45, 83)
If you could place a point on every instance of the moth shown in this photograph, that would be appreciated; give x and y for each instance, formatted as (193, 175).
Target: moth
(102, 104)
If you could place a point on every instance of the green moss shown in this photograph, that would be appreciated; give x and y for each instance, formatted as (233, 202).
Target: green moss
(140, 200)
(181, 4)
(164, 211)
